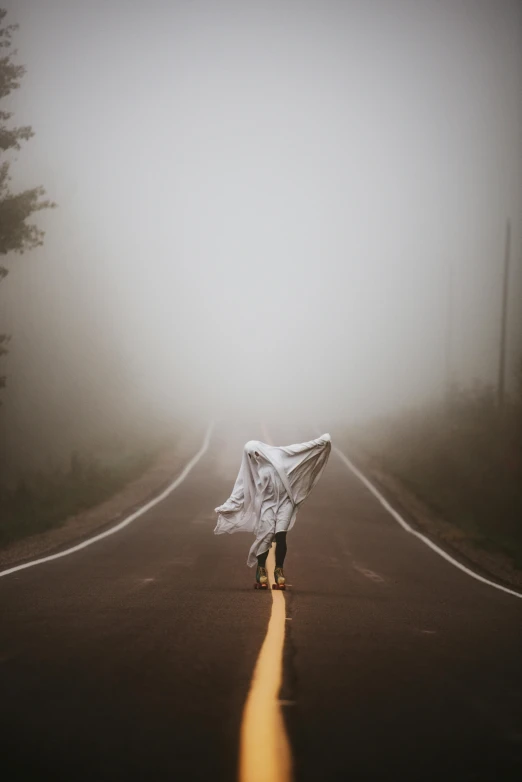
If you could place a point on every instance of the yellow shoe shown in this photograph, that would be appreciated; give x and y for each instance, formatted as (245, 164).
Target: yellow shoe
(279, 577)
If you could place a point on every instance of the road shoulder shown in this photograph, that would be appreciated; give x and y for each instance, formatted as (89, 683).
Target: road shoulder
(492, 564)
(94, 520)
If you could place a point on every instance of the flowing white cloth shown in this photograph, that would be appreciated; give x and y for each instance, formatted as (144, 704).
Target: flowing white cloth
(271, 485)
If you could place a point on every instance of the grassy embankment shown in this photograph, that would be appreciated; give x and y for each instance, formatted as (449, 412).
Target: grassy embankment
(464, 460)
(43, 500)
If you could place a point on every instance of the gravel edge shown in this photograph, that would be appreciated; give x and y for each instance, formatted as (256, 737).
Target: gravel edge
(133, 495)
(493, 565)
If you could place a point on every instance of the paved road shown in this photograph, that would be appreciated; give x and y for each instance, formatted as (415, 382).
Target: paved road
(131, 659)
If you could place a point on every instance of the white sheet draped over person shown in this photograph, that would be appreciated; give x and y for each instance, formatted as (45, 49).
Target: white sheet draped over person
(271, 485)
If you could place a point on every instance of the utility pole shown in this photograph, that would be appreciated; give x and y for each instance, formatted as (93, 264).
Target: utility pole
(449, 332)
(503, 328)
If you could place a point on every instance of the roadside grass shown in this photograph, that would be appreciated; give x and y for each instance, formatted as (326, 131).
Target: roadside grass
(463, 459)
(43, 500)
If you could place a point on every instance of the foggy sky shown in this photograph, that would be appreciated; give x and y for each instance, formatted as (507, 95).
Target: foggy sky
(260, 202)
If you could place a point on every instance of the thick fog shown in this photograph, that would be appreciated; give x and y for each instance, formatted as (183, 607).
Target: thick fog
(262, 206)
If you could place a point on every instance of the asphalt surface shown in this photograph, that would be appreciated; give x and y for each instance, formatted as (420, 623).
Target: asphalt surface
(132, 659)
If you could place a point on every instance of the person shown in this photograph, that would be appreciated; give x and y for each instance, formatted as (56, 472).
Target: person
(272, 484)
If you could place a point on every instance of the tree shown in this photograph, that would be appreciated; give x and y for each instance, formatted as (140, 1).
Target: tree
(16, 234)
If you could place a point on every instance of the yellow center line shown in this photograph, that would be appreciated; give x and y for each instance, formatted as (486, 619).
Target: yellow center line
(264, 754)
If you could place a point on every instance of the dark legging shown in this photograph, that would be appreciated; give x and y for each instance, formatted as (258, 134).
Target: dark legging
(280, 552)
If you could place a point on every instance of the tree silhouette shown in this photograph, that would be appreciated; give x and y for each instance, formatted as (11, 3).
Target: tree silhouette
(16, 233)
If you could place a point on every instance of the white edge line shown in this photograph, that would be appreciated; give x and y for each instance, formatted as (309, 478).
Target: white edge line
(398, 518)
(188, 467)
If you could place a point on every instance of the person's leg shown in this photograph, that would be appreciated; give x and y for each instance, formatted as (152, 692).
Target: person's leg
(261, 574)
(280, 552)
